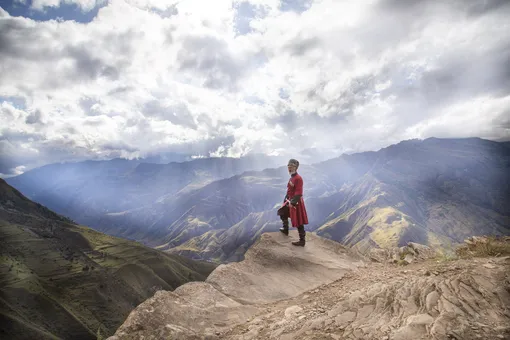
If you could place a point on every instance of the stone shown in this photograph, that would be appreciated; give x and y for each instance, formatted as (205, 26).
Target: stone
(408, 259)
(365, 311)
(344, 318)
(480, 239)
(431, 300)
(358, 333)
(378, 255)
(292, 311)
(317, 324)
(420, 319)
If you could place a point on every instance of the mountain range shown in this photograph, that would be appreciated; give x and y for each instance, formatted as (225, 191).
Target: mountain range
(87, 191)
(433, 191)
(61, 280)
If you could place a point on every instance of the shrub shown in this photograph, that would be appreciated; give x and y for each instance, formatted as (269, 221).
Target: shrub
(484, 246)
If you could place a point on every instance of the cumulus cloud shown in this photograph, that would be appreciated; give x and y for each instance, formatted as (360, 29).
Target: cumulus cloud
(230, 77)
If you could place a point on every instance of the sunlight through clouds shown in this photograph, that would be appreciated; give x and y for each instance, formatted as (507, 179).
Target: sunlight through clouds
(259, 75)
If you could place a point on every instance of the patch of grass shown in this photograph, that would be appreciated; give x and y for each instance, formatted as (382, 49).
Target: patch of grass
(437, 241)
(388, 225)
(485, 247)
(446, 256)
(99, 335)
(404, 253)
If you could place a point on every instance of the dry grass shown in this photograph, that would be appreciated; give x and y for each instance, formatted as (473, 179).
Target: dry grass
(484, 247)
(447, 256)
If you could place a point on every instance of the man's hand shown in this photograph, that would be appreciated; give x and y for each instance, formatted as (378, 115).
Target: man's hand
(294, 201)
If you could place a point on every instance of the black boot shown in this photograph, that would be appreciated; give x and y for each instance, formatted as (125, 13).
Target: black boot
(301, 233)
(285, 229)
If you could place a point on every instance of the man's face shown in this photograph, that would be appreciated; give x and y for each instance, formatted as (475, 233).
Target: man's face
(291, 168)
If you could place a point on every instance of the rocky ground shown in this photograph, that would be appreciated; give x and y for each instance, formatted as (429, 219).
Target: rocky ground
(423, 297)
(462, 299)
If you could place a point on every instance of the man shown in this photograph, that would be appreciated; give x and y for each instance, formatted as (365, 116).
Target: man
(293, 204)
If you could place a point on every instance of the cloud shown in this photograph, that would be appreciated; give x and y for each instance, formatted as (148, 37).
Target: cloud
(245, 13)
(34, 118)
(84, 5)
(208, 58)
(177, 114)
(235, 77)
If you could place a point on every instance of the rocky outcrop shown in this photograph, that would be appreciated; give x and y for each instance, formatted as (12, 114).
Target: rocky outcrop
(485, 246)
(402, 255)
(323, 291)
(462, 299)
(193, 311)
(273, 270)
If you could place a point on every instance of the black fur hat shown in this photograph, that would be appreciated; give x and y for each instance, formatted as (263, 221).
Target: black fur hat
(294, 162)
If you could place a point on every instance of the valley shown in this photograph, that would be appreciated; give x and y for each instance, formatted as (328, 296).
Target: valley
(433, 191)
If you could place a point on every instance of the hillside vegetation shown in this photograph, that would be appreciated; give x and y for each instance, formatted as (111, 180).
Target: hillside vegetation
(62, 280)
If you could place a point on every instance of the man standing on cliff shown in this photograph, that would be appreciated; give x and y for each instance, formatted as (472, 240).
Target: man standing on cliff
(293, 204)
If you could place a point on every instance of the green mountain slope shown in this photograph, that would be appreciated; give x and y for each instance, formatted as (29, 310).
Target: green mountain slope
(227, 245)
(436, 192)
(66, 281)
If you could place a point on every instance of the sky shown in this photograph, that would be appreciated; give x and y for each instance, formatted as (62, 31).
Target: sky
(99, 79)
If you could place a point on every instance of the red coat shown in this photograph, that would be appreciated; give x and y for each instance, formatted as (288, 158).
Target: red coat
(298, 214)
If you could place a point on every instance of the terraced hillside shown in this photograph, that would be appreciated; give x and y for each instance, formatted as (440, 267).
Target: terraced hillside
(62, 280)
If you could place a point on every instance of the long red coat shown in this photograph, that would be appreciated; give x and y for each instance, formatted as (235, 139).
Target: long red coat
(298, 214)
